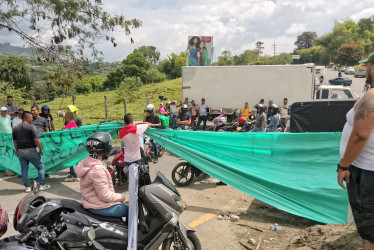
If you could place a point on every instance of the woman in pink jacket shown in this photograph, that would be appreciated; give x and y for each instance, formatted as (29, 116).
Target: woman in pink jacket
(96, 185)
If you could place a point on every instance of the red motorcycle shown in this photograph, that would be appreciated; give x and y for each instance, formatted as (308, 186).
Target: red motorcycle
(116, 166)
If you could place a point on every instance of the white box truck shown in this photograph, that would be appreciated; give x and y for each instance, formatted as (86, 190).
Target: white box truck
(228, 87)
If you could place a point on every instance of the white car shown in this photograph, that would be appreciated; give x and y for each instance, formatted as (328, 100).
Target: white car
(360, 73)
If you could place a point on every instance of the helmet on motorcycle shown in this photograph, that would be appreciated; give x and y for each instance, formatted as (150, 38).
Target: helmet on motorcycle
(241, 120)
(3, 221)
(275, 108)
(184, 108)
(260, 107)
(150, 108)
(99, 143)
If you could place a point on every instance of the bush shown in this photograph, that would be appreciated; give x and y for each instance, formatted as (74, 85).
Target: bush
(153, 76)
(19, 95)
(127, 89)
(83, 86)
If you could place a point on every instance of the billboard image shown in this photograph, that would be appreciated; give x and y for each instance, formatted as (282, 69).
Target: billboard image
(199, 50)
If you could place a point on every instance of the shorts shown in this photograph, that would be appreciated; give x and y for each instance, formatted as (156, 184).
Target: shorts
(361, 199)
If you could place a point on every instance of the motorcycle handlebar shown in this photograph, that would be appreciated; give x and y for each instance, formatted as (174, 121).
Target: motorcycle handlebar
(27, 236)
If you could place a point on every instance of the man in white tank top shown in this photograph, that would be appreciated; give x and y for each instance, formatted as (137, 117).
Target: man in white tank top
(357, 165)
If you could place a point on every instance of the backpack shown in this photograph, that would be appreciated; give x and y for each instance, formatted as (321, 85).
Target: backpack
(164, 121)
(3, 221)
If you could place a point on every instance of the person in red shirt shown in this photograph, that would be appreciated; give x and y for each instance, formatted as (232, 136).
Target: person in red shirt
(69, 119)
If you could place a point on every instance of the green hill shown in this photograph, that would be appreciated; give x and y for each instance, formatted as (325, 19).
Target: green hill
(91, 106)
(7, 49)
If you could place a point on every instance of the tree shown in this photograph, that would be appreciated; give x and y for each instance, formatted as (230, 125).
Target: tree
(305, 40)
(172, 66)
(150, 53)
(259, 47)
(225, 59)
(127, 89)
(314, 55)
(51, 25)
(247, 57)
(15, 70)
(114, 79)
(350, 54)
(136, 65)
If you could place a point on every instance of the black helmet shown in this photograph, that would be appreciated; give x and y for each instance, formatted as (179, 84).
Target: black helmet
(261, 107)
(99, 143)
(275, 108)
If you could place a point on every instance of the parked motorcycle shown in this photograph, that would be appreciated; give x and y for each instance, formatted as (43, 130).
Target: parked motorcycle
(149, 151)
(184, 173)
(65, 224)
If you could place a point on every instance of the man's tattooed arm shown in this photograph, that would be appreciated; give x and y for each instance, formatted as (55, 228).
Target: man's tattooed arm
(364, 108)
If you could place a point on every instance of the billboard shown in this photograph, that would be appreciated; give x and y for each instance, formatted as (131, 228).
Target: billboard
(199, 50)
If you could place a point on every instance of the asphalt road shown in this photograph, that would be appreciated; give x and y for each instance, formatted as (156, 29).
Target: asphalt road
(357, 83)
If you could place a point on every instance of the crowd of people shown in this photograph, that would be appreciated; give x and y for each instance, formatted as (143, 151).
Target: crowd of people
(25, 127)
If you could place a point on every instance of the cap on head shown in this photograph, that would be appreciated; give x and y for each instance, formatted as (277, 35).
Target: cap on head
(369, 59)
(3, 109)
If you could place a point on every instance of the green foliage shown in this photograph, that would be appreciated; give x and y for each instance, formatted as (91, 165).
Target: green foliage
(257, 63)
(350, 54)
(225, 59)
(259, 47)
(114, 79)
(127, 89)
(43, 90)
(89, 84)
(16, 71)
(150, 53)
(7, 49)
(311, 55)
(153, 75)
(81, 21)
(282, 58)
(305, 40)
(19, 95)
(247, 57)
(172, 66)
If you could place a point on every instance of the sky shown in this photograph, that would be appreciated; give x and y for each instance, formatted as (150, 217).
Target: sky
(236, 25)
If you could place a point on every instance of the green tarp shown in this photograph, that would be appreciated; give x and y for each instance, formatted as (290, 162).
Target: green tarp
(62, 149)
(295, 172)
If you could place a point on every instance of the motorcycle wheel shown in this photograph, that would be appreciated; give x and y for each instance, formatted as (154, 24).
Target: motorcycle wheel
(192, 241)
(182, 174)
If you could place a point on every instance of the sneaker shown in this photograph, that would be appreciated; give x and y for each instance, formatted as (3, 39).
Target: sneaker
(69, 176)
(28, 189)
(44, 187)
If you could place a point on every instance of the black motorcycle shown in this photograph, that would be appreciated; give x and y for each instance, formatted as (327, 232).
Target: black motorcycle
(184, 173)
(149, 150)
(66, 224)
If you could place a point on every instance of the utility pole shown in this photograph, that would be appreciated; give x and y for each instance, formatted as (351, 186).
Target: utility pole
(274, 46)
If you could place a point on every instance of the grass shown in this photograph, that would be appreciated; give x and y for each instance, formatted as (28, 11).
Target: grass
(92, 110)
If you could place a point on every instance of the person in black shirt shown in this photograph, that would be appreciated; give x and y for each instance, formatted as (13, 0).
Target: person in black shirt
(184, 117)
(48, 116)
(154, 121)
(26, 139)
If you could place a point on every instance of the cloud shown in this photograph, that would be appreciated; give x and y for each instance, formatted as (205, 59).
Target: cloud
(236, 25)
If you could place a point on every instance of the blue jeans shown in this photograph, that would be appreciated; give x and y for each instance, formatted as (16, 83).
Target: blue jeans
(120, 210)
(26, 156)
(172, 121)
(155, 148)
(72, 172)
(257, 129)
(202, 119)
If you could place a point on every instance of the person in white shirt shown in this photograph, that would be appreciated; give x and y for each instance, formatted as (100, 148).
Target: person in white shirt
(18, 119)
(132, 137)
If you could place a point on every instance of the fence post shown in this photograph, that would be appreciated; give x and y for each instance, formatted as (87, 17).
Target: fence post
(147, 100)
(33, 101)
(125, 105)
(74, 100)
(106, 108)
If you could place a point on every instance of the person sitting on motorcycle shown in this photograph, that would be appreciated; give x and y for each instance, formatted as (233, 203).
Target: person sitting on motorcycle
(260, 119)
(132, 137)
(184, 117)
(98, 194)
(154, 120)
(275, 119)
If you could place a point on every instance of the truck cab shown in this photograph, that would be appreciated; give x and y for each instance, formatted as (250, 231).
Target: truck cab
(334, 92)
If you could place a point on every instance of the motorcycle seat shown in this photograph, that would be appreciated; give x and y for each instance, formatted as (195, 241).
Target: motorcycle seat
(77, 206)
